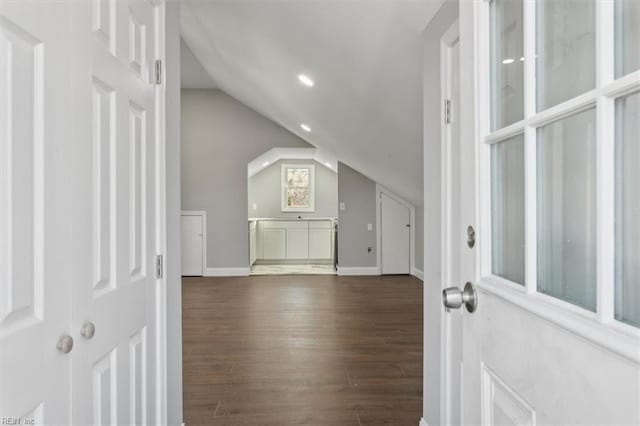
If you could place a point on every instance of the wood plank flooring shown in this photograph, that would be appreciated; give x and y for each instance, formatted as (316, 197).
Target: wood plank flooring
(302, 350)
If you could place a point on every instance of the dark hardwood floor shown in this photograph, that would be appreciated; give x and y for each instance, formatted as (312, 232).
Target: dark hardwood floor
(302, 350)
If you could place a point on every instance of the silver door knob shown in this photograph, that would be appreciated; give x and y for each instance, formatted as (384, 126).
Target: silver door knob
(65, 344)
(454, 298)
(87, 330)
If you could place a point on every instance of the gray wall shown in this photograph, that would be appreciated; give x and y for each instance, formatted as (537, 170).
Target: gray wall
(265, 187)
(173, 260)
(220, 136)
(445, 17)
(359, 195)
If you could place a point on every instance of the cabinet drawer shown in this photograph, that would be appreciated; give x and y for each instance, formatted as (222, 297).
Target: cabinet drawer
(273, 224)
(320, 224)
(301, 224)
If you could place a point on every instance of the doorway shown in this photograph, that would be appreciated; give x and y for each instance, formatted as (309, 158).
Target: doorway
(396, 222)
(193, 225)
(292, 213)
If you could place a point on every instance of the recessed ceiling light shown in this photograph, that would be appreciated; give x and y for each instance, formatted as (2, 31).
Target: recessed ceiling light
(522, 59)
(265, 164)
(305, 127)
(508, 61)
(305, 80)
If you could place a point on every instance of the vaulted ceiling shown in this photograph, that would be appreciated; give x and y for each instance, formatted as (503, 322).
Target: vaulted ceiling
(365, 58)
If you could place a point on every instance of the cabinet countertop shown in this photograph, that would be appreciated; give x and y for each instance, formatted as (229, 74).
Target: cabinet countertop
(293, 219)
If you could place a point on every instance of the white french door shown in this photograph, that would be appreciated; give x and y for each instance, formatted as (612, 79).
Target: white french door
(116, 289)
(35, 200)
(550, 144)
(79, 182)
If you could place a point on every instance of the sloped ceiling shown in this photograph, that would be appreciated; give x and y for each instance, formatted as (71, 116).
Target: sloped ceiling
(192, 73)
(364, 56)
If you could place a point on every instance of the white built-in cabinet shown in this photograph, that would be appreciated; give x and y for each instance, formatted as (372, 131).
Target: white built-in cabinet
(293, 240)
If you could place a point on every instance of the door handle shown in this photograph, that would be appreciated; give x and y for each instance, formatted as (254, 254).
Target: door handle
(454, 298)
(87, 330)
(65, 344)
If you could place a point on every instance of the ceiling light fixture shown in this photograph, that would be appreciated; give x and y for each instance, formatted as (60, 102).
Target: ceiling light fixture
(265, 164)
(305, 127)
(522, 59)
(508, 61)
(305, 80)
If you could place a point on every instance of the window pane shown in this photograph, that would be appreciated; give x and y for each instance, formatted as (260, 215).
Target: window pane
(507, 209)
(566, 211)
(628, 209)
(627, 36)
(297, 197)
(507, 66)
(566, 50)
(298, 178)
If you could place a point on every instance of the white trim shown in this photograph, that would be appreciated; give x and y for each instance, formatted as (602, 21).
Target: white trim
(363, 271)
(418, 273)
(412, 223)
(284, 187)
(227, 272)
(203, 216)
(423, 422)
(447, 41)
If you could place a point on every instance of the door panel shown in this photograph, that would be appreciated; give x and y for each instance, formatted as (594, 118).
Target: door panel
(297, 243)
(395, 219)
(117, 185)
(320, 246)
(192, 245)
(35, 224)
(274, 242)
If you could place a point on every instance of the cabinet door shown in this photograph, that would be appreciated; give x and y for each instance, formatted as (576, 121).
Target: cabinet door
(320, 246)
(253, 238)
(274, 243)
(297, 243)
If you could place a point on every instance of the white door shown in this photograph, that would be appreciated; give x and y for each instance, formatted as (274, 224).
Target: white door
(192, 245)
(78, 211)
(395, 220)
(548, 167)
(35, 208)
(114, 372)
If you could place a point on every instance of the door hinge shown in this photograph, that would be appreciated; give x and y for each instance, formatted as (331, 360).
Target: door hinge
(157, 77)
(447, 111)
(159, 266)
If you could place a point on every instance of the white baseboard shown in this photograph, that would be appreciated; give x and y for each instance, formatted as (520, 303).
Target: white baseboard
(373, 270)
(226, 272)
(423, 422)
(418, 273)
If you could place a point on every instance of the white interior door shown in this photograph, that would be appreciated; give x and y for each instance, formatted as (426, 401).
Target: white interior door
(35, 206)
(114, 370)
(395, 219)
(192, 245)
(549, 145)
